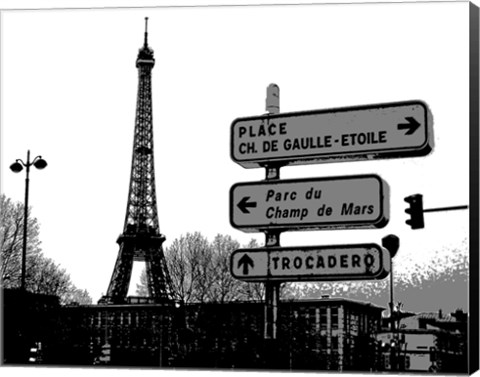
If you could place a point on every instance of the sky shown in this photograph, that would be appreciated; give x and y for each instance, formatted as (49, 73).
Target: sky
(69, 87)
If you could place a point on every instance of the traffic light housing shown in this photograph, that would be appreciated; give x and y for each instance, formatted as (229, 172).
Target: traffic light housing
(415, 211)
(391, 243)
(407, 362)
(36, 353)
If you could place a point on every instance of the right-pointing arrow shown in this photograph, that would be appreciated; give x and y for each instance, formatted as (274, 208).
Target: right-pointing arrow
(244, 204)
(246, 261)
(411, 126)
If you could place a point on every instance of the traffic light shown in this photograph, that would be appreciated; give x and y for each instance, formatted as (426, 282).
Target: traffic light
(391, 243)
(36, 353)
(105, 357)
(415, 211)
(407, 362)
(386, 362)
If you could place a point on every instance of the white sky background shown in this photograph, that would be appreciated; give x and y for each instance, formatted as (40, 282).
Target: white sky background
(69, 87)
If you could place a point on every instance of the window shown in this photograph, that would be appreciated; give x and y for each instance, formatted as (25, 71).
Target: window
(354, 324)
(334, 312)
(334, 343)
(323, 318)
(346, 315)
(323, 342)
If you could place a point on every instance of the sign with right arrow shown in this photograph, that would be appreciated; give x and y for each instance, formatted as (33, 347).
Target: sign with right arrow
(390, 130)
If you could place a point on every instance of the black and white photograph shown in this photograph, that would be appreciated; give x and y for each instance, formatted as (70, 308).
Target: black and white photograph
(232, 186)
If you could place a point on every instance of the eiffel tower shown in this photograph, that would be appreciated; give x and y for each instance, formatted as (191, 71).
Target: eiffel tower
(141, 239)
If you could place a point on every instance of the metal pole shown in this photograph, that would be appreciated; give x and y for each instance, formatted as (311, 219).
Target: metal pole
(392, 320)
(25, 223)
(392, 244)
(272, 294)
(393, 351)
(272, 238)
(445, 209)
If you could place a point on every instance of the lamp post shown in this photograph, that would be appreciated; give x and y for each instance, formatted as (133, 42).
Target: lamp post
(17, 167)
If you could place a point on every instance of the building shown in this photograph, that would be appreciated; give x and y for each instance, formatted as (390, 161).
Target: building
(426, 342)
(28, 323)
(331, 334)
(324, 334)
(124, 335)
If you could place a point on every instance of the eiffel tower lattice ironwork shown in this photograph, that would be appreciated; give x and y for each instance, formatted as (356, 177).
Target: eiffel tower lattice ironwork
(141, 239)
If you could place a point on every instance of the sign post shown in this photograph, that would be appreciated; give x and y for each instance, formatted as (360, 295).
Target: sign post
(272, 206)
(272, 239)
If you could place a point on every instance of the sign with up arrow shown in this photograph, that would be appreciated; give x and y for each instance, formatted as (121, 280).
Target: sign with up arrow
(390, 130)
(311, 263)
(359, 201)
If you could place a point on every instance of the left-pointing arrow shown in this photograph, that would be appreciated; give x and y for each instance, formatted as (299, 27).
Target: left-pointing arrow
(244, 204)
(245, 261)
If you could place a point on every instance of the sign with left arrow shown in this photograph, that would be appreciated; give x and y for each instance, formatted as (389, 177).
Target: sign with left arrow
(359, 201)
(311, 263)
(389, 130)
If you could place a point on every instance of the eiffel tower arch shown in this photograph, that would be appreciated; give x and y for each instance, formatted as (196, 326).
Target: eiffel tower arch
(141, 239)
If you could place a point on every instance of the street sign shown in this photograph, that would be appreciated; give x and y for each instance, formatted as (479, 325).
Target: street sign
(311, 263)
(400, 129)
(359, 201)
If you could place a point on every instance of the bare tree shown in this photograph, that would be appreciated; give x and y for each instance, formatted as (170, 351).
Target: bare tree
(225, 287)
(142, 287)
(250, 291)
(77, 296)
(189, 260)
(48, 278)
(43, 275)
(200, 271)
(11, 241)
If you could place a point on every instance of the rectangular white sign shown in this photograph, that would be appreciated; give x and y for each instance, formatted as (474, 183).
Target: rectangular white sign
(359, 201)
(311, 263)
(391, 130)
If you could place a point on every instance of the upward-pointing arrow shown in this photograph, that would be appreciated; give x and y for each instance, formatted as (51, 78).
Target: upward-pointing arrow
(411, 126)
(246, 261)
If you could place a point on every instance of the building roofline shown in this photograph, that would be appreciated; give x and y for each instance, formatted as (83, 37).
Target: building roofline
(330, 300)
(341, 300)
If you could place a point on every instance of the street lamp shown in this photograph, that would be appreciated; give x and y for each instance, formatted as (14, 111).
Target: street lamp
(17, 167)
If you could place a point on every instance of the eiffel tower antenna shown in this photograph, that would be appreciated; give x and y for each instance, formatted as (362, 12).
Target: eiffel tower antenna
(141, 239)
(145, 43)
